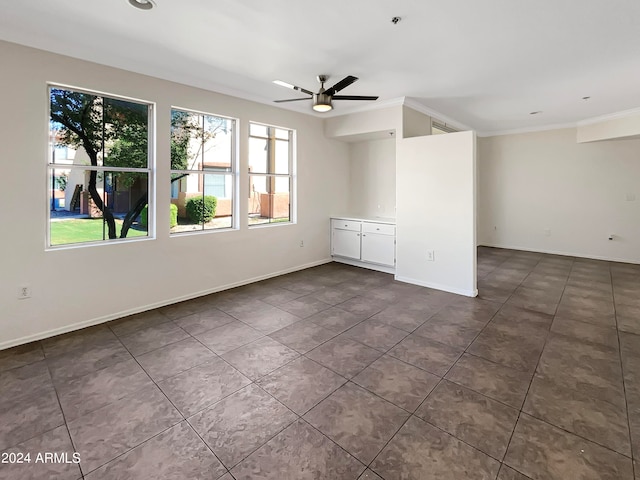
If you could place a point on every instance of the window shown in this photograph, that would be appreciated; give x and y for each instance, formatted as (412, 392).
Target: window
(99, 167)
(203, 171)
(215, 185)
(271, 179)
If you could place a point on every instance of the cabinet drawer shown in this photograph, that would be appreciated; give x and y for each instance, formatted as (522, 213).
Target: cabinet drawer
(382, 228)
(346, 224)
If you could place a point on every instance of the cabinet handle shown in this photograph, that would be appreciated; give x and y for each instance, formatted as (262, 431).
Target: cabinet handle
(363, 235)
(346, 225)
(358, 234)
(377, 229)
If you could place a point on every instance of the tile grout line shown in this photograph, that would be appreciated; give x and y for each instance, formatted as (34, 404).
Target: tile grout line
(556, 426)
(524, 399)
(252, 382)
(64, 418)
(184, 419)
(80, 376)
(255, 383)
(442, 378)
(479, 333)
(624, 383)
(603, 400)
(350, 380)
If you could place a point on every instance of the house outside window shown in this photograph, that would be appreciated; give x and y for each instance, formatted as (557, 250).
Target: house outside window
(203, 171)
(99, 167)
(271, 175)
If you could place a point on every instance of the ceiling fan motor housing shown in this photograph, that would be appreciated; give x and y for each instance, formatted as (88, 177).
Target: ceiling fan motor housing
(322, 102)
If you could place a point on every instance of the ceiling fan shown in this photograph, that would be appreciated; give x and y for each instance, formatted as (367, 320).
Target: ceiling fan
(322, 100)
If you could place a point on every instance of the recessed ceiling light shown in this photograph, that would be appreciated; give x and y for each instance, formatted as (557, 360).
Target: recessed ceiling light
(142, 4)
(536, 112)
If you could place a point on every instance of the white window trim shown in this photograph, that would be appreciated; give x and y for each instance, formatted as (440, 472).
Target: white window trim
(151, 169)
(293, 183)
(235, 174)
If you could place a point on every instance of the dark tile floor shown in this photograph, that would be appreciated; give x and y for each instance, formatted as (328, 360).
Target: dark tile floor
(342, 373)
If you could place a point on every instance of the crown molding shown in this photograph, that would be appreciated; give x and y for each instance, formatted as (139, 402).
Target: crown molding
(516, 131)
(558, 126)
(611, 116)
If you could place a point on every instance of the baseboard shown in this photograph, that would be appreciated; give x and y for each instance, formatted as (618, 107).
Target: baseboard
(164, 303)
(559, 252)
(437, 286)
(370, 266)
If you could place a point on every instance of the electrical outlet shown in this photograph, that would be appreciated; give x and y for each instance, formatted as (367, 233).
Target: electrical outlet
(431, 256)
(547, 232)
(302, 243)
(24, 291)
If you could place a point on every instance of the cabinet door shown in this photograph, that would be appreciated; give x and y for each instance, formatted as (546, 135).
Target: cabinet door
(345, 243)
(378, 248)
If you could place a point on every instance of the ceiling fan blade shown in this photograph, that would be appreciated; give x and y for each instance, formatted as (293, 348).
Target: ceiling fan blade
(292, 87)
(290, 100)
(353, 97)
(344, 83)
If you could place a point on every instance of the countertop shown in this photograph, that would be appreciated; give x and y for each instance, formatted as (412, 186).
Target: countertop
(366, 218)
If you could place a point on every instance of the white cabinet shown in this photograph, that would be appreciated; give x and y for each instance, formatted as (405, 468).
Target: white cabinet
(345, 243)
(378, 248)
(362, 242)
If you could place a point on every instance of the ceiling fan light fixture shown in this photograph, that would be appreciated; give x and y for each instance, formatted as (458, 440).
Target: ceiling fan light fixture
(142, 4)
(322, 103)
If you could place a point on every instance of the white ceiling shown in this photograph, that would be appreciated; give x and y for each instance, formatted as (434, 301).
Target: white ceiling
(485, 64)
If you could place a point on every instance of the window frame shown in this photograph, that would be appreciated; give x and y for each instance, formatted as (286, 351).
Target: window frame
(292, 175)
(150, 170)
(233, 173)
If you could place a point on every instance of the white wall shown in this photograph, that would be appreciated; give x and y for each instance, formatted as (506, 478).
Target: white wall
(81, 286)
(382, 120)
(372, 170)
(436, 210)
(414, 123)
(580, 193)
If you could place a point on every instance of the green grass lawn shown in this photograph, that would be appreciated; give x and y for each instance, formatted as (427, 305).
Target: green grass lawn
(85, 230)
